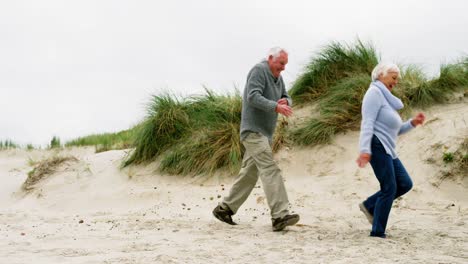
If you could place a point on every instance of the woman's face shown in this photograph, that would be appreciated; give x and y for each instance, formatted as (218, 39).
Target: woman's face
(390, 80)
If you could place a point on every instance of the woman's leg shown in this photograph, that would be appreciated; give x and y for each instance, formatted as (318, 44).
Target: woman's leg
(383, 167)
(403, 180)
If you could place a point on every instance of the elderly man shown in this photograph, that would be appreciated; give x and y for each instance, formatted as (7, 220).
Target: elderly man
(264, 97)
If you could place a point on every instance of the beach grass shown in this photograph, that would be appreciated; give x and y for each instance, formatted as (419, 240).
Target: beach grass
(8, 144)
(43, 169)
(55, 142)
(339, 104)
(339, 111)
(106, 141)
(330, 65)
(191, 135)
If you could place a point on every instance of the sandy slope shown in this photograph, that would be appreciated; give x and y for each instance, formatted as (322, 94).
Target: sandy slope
(138, 216)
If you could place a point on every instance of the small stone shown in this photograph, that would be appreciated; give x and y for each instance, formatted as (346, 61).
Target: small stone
(81, 221)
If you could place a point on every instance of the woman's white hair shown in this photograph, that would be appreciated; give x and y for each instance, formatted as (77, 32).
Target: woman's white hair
(383, 69)
(275, 52)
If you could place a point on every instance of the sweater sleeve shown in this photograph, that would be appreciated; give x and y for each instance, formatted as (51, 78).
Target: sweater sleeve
(407, 126)
(371, 105)
(256, 83)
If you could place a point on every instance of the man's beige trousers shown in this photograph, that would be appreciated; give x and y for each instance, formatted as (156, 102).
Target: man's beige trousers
(258, 161)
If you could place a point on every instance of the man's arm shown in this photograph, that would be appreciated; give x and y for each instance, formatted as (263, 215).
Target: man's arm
(254, 89)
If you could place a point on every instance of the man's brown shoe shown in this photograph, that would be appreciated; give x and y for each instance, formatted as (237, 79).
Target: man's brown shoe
(287, 220)
(224, 215)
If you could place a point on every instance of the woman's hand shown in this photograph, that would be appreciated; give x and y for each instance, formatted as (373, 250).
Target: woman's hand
(363, 159)
(418, 119)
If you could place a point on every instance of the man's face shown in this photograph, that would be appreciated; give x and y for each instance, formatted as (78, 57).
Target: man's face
(278, 64)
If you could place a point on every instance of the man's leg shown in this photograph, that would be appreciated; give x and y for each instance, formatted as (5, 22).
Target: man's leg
(242, 187)
(239, 192)
(270, 174)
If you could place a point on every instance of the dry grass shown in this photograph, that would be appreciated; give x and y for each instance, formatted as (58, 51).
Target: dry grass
(43, 169)
(280, 138)
(453, 163)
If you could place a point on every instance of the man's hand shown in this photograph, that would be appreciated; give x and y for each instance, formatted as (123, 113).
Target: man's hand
(283, 109)
(283, 101)
(363, 159)
(418, 119)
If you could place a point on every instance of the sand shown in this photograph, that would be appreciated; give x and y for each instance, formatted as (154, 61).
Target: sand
(90, 211)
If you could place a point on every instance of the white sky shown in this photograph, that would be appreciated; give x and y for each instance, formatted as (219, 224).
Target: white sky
(73, 68)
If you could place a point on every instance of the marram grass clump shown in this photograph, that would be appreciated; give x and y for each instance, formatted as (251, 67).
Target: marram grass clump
(43, 169)
(205, 152)
(338, 76)
(417, 91)
(199, 134)
(167, 122)
(106, 141)
(339, 111)
(331, 65)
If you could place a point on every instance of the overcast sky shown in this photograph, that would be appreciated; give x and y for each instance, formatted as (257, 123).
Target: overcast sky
(72, 68)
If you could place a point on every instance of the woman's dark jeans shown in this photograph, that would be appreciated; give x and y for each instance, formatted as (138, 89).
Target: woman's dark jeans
(394, 182)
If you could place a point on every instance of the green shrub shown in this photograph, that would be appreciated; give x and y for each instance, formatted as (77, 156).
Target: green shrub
(447, 157)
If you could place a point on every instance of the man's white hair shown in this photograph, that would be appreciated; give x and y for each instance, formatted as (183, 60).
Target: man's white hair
(275, 52)
(383, 69)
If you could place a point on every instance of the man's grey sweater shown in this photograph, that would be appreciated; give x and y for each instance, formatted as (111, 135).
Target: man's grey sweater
(261, 93)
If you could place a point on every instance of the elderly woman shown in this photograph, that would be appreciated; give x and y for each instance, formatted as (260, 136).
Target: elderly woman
(381, 124)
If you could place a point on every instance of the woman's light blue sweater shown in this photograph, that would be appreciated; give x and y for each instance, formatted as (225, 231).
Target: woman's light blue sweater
(381, 119)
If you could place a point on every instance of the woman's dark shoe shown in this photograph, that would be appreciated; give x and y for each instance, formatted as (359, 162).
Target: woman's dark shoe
(378, 235)
(368, 215)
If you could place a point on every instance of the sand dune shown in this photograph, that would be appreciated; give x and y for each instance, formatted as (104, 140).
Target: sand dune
(90, 211)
